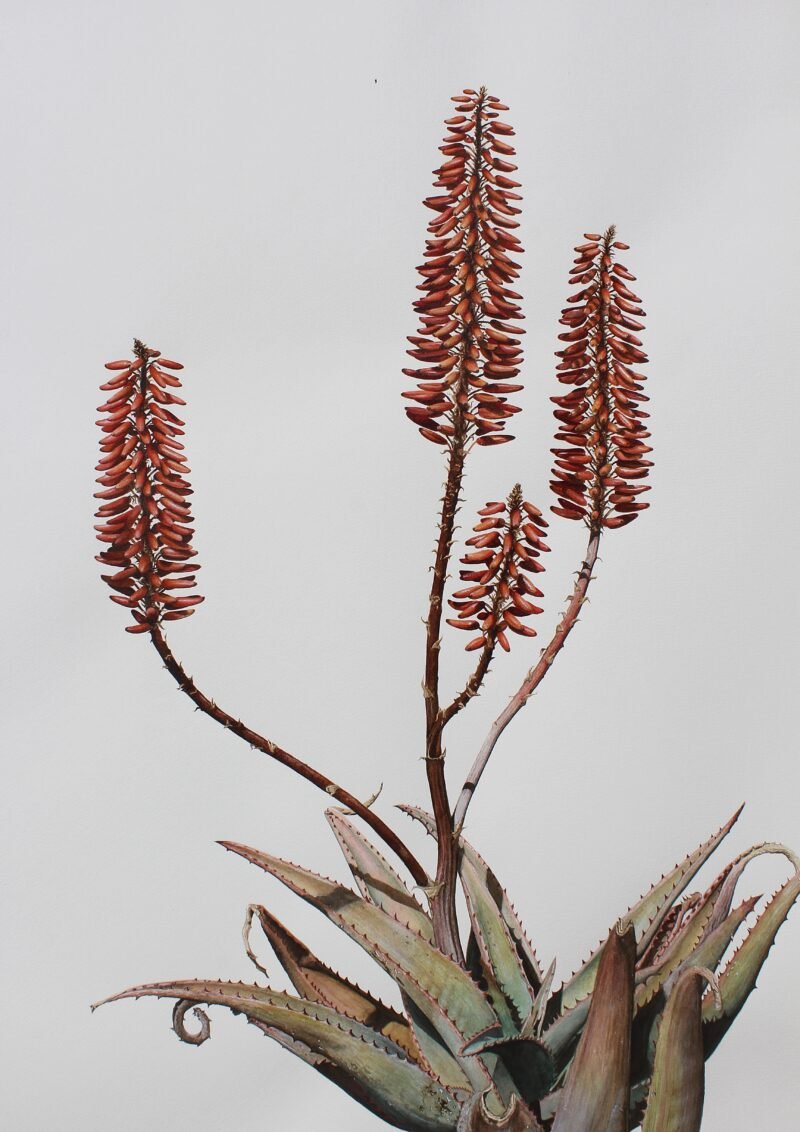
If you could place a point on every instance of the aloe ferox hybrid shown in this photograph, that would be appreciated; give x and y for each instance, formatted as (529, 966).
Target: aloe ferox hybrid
(483, 1040)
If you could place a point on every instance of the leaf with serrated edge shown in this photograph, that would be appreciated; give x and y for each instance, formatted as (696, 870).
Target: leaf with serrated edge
(494, 941)
(560, 1035)
(444, 993)
(396, 1086)
(340, 1077)
(516, 962)
(708, 954)
(376, 879)
(738, 979)
(695, 940)
(484, 976)
(533, 1025)
(315, 981)
(432, 1054)
(646, 916)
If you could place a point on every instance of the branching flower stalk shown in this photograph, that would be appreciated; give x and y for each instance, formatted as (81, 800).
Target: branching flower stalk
(470, 353)
(145, 526)
(600, 465)
(484, 1042)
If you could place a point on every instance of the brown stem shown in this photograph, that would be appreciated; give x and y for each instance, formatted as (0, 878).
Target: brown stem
(443, 898)
(443, 905)
(532, 680)
(201, 701)
(472, 686)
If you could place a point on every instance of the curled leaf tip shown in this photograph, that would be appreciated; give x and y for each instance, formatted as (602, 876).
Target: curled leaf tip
(182, 1006)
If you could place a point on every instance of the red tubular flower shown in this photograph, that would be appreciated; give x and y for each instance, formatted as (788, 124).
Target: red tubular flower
(144, 517)
(601, 421)
(470, 351)
(508, 541)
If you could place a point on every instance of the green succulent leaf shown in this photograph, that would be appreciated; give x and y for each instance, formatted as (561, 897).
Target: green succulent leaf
(695, 946)
(485, 978)
(497, 949)
(534, 1023)
(646, 915)
(650, 997)
(376, 879)
(503, 944)
(381, 1075)
(432, 1053)
(315, 981)
(441, 990)
(596, 1095)
(738, 980)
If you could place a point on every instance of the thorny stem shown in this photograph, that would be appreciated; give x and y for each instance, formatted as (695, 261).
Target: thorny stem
(201, 701)
(443, 908)
(472, 686)
(443, 899)
(532, 680)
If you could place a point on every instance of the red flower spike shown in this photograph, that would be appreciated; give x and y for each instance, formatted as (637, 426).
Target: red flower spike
(510, 537)
(466, 285)
(601, 425)
(144, 519)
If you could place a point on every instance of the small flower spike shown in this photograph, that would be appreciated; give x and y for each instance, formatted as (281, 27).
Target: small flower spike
(467, 343)
(144, 518)
(507, 544)
(601, 422)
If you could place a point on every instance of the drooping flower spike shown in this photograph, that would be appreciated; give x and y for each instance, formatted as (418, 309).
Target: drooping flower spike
(144, 517)
(508, 541)
(468, 343)
(601, 422)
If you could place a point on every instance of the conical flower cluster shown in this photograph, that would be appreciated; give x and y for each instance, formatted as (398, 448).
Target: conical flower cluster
(601, 422)
(144, 517)
(468, 345)
(508, 541)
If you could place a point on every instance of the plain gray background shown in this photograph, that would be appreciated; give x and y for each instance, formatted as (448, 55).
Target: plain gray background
(231, 183)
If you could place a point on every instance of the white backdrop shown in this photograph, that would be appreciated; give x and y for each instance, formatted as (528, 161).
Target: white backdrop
(239, 184)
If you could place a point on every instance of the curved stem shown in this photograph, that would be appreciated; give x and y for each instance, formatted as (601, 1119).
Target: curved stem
(204, 704)
(531, 681)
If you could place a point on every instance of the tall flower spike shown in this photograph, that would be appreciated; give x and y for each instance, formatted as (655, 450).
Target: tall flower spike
(508, 540)
(601, 421)
(144, 517)
(469, 348)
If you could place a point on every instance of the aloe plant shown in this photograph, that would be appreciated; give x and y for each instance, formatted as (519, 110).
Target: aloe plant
(482, 1039)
